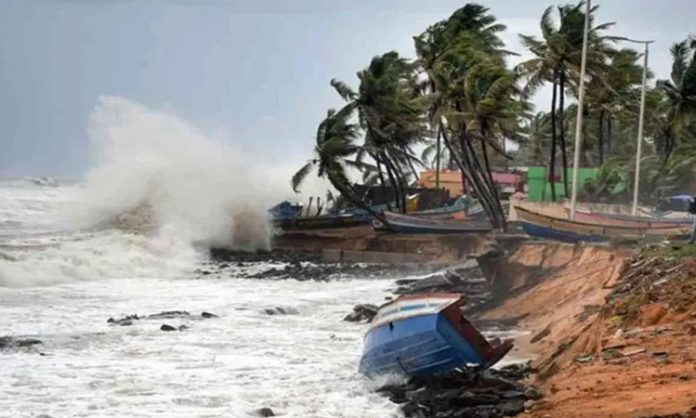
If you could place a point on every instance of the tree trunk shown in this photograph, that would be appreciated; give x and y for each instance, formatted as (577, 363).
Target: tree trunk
(379, 170)
(464, 169)
(552, 160)
(486, 186)
(410, 164)
(381, 176)
(437, 157)
(392, 180)
(491, 182)
(609, 135)
(564, 154)
(600, 137)
(479, 181)
(402, 184)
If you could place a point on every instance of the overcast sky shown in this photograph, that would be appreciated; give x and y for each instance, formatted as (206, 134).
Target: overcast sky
(252, 72)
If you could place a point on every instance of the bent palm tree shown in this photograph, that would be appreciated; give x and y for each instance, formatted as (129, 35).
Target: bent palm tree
(391, 115)
(335, 143)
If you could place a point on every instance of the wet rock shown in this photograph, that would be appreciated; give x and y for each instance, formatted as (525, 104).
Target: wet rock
(509, 409)
(533, 393)
(280, 311)
(167, 328)
(362, 312)
(11, 343)
(465, 393)
(129, 319)
(169, 315)
(265, 412)
(125, 321)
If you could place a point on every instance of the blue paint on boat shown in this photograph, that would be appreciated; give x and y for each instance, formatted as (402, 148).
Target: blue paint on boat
(559, 235)
(417, 346)
(420, 335)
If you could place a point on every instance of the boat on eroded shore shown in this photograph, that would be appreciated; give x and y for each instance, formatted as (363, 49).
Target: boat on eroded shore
(419, 335)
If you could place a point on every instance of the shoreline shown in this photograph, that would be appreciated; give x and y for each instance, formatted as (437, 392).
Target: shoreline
(559, 298)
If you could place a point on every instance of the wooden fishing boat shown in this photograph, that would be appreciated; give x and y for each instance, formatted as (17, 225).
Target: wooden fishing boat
(408, 224)
(325, 221)
(630, 221)
(425, 334)
(544, 226)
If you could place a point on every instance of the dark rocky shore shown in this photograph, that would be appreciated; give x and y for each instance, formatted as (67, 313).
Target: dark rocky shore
(298, 265)
(466, 393)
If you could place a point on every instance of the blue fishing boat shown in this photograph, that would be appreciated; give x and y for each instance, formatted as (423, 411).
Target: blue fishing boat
(548, 232)
(425, 334)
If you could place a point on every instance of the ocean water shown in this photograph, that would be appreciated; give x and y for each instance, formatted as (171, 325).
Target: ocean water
(61, 286)
(127, 239)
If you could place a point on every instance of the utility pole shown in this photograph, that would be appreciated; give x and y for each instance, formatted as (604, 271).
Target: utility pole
(639, 145)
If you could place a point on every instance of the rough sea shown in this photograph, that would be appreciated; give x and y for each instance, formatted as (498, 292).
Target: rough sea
(60, 285)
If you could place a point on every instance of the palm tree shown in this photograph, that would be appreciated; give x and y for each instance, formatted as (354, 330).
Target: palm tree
(679, 106)
(447, 50)
(536, 138)
(613, 92)
(392, 116)
(557, 60)
(491, 113)
(335, 144)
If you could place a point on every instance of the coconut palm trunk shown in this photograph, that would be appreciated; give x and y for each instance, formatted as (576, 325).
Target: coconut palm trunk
(487, 189)
(470, 177)
(600, 137)
(561, 131)
(609, 142)
(437, 157)
(552, 159)
(489, 174)
(392, 180)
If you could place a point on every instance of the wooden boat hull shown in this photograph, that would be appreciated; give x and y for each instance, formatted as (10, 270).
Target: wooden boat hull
(425, 334)
(536, 224)
(407, 224)
(315, 222)
(559, 235)
(630, 221)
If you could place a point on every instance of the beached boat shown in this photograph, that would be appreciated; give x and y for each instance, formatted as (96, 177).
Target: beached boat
(561, 229)
(325, 221)
(631, 221)
(408, 224)
(459, 206)
(425, 334)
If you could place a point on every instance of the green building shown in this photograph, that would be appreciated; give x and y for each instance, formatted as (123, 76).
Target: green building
(539, 186)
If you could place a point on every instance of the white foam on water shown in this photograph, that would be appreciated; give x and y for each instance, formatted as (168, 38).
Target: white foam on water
(158, 195)
(301, 365)
(209, 192)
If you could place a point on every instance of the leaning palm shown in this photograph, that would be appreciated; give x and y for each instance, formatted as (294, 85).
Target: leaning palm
(335, 144)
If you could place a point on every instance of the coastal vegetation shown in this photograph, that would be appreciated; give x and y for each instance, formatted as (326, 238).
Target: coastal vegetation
(460, 104)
